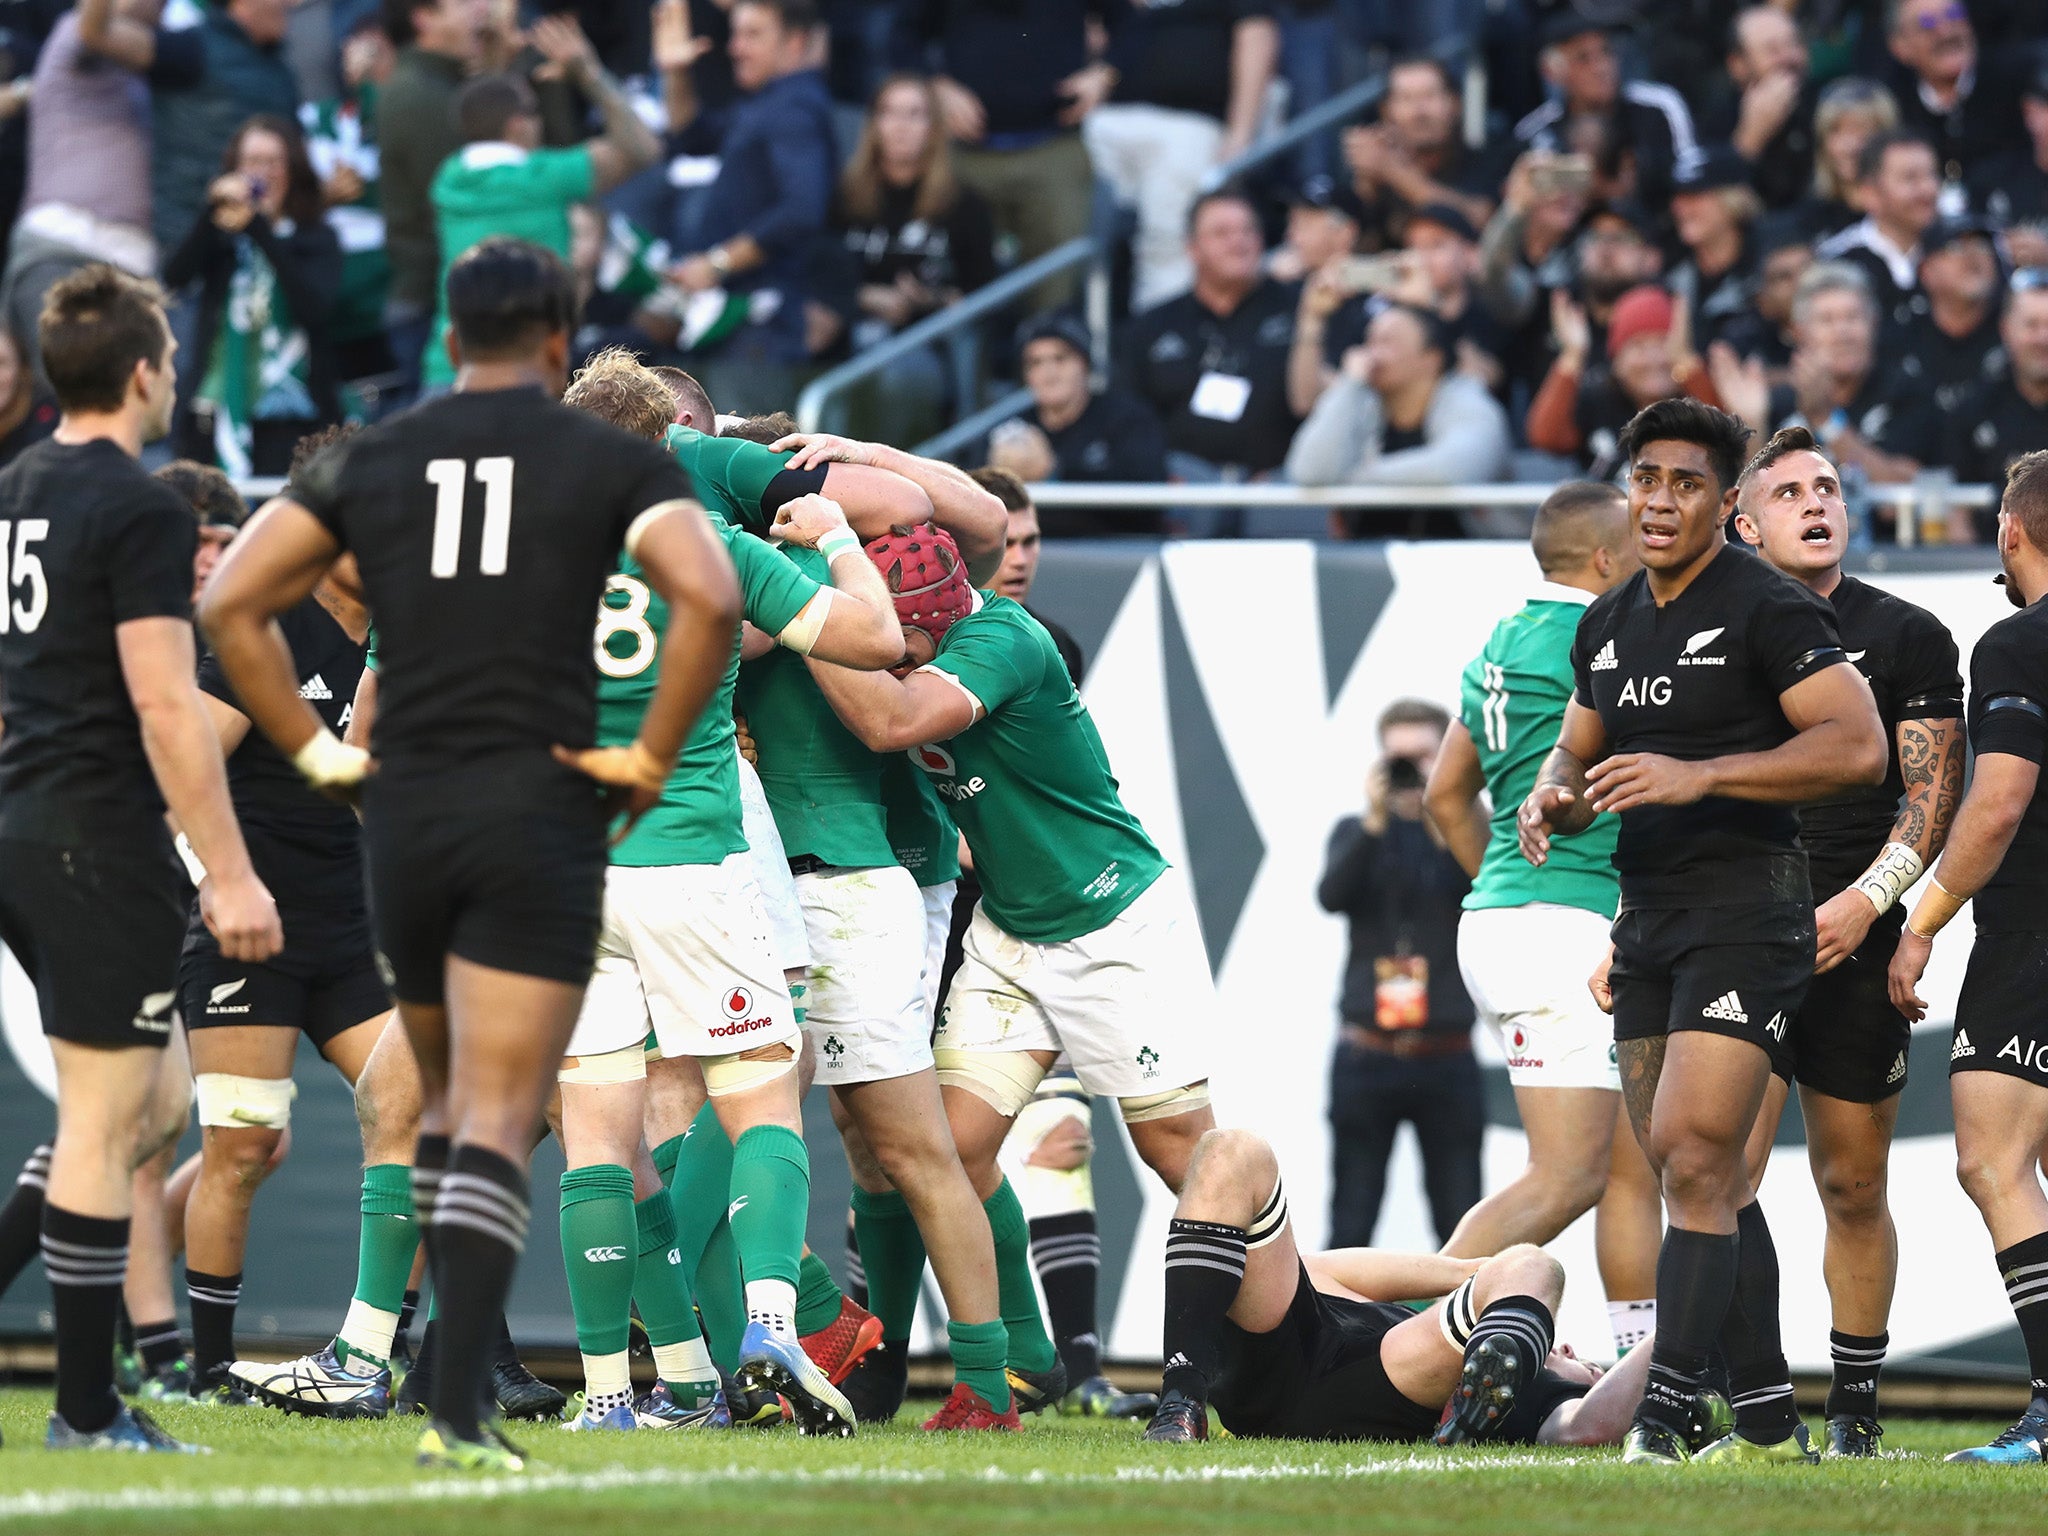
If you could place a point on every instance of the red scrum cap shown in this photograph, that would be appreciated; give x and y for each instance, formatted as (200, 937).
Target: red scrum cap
(926, 577)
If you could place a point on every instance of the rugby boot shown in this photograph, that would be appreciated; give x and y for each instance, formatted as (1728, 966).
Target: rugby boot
(1035, 1391)
(1653, 1445)
(1178, 1420)
(841, 1344)
(967, 1409)
(1731, 1450)
(2026, 1442)
(441, 1449)
(1493, 1376)
(132, 1430)
(774, 1364)
(317, 1386)
(1098, 1398)
(876, 1387)
(660, 1410)
(1850, 1434)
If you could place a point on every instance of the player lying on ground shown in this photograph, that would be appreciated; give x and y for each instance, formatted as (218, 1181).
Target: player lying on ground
(1319, 1346)
(1998, 854)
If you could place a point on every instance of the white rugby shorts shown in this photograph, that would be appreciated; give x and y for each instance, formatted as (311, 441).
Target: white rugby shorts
(786, 940)
(1132, 1004)
(865, 1012)
(1526, 970)
(684, 950)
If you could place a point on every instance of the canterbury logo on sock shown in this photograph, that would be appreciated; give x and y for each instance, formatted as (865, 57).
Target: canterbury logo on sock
(1727, 1007)
(603, 1255)
(736, 1207)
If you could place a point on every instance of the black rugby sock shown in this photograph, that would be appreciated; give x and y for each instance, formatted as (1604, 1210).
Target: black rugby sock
(2024, 1269)
(480, 1219)
(87, 1260)
(1858, 1357)
(1759, 1381)
(856, 1271)
(21, 1218)
(1204, 1268)
(1067, 1254)
(213, 1299)
(1523, 1321)
(400, 1340)
(1695, 1282)
(158, 1344)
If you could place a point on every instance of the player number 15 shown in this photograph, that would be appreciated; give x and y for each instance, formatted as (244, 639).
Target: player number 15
(450, 478)
(26, 570)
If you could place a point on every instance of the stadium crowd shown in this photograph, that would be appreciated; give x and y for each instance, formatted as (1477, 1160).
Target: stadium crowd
(1828, 212)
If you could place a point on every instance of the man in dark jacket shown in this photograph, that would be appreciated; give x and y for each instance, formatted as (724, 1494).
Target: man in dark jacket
(1404, 1043)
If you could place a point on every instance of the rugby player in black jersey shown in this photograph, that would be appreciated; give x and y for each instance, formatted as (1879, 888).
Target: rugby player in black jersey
(1847, 1046)
(104, 729)
(484, 525)
(243, 1021)
(1998, 853)
(1712, 696)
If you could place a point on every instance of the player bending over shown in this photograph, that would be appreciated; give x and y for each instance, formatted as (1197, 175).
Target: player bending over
(1319, 1346)
(1998, 854)
(485, 525)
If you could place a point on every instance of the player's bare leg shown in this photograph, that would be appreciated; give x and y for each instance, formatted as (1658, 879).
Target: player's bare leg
(1628, 1229)
(1570, 1132)
(1849, 1146)
(148, 1290)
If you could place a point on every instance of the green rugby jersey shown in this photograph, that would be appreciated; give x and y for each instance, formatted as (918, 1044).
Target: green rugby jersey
(923, 835)
(741, 481)
(1029, 784)
(823, 785)
(697, 820)
(1512, 701)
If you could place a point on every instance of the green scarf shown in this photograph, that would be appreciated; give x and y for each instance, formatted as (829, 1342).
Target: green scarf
(260, 367)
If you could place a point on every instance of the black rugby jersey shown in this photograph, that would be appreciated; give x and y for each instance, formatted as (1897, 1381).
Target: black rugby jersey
(485, 525)
(1910, 661)
(306, 847)
(1699, 678)
(88, 541)
(2009, 714)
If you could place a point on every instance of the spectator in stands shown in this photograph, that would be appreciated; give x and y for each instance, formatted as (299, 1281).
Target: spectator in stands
(746, 279)
(205, 82)
(1071, 433)
(2013, 186)
(88, 195)
(1900, 191)
(1190, 98)
(1212, 364)
(1416, 155)
(1783, 252)
(1712, 207)
(2008, 415)
(1965, 105)
(27, 416)
(1648, 122)
(1865, 417)
(1850, 114)
(502, 182)
(269, 270)
(1768, 115)
(1614, 253)
(915, 240)
(341, 141)
(1016, 82)
(1323, 222)
(1526, 248)
(1399, 414)
(1950, 344)
(1578, 412)
(439, 42)
(1404, 1037)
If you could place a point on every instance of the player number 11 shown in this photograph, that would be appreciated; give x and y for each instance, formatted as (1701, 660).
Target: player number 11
(449, 478)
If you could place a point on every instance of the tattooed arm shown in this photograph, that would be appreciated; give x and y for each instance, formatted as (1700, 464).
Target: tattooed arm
(1931, 761)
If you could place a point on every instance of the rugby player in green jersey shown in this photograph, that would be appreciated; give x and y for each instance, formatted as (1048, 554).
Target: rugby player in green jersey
(684, 949)
(1532, 935)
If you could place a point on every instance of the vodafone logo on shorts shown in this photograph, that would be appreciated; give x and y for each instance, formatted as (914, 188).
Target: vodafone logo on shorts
(1519, 1047)
(737, 1003)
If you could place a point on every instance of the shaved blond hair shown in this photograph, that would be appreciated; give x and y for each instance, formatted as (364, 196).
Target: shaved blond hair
(615, 386)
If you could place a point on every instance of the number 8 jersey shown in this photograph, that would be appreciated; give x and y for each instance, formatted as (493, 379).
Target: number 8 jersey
(485, 526)
(88, 541)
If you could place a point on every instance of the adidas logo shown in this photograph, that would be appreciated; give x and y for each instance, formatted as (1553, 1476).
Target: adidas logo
(1605, 661)
(1727, 1007)
(1776, 1028)
(315, 688)
(1177, 1360)
(1898, 1071)
(1962, 1047)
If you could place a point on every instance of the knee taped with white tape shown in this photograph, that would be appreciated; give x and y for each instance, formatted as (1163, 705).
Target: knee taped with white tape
(1003, 1080)
(228, 1100)
(628, 1064)
(1164, 1106)
(1271, 1221)
(1460, 1315)
(739, 1072)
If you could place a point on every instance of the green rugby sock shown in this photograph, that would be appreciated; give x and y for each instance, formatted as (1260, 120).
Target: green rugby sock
(892, 1252)
(1030, 1346)
(389, 1239)
(771, 1196)
(662, 1293)
(721, 1298)
(699, 1175)
(600, 1243)
(817, 1296)
(980, 1353)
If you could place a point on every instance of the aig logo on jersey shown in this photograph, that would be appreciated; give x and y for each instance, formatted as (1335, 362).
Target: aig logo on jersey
(1646, 690)
(1698, 643)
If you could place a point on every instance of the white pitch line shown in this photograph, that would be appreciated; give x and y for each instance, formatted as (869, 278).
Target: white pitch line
(456, 1489)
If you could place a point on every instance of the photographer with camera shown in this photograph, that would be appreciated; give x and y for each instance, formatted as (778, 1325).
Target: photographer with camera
(1404, 1037)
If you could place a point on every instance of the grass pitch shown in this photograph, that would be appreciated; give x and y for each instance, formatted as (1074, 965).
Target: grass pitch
(274, 1474)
